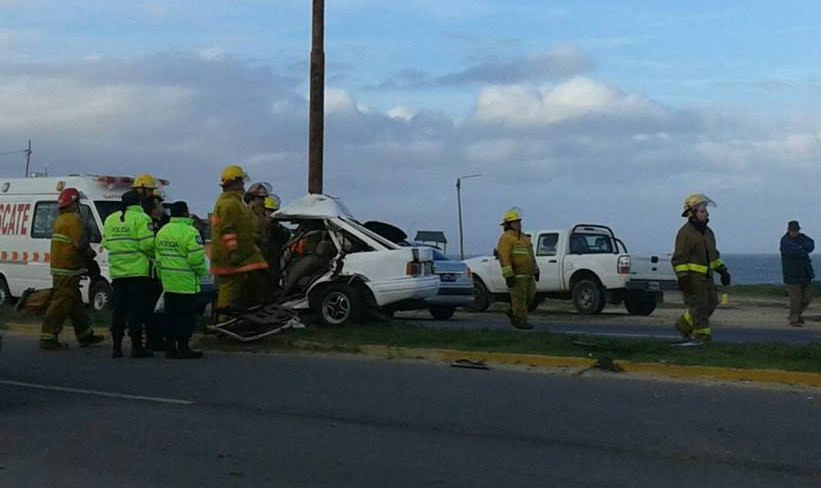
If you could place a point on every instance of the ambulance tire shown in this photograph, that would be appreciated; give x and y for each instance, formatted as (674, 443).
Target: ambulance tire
(5, 294)
(99, 295)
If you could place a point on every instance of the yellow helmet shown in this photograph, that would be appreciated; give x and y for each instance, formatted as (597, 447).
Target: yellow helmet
(231, 173)
(144, 181)
(512, 215)
(694, 200)
(272, 203)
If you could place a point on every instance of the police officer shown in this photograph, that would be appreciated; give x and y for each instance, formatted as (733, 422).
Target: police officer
(518, 267)
(181, 265)
(695, 261)
(70, 258)
(128, 236)
(234, 253)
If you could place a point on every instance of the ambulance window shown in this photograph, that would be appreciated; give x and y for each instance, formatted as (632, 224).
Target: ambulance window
(45, 213)
(90, 224)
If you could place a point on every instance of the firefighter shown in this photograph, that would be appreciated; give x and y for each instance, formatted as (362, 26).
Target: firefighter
(181, 265)
(128, 236)
(70, 258)
(277, 238)
(695, 261)
(518, 267)
(150, 194)
(234, 253)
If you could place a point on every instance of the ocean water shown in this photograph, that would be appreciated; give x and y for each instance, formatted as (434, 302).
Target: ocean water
(757, 269)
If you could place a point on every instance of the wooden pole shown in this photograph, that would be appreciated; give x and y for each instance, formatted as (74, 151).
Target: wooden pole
(316, 115)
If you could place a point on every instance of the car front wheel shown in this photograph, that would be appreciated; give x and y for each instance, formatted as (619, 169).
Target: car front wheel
(588, 297)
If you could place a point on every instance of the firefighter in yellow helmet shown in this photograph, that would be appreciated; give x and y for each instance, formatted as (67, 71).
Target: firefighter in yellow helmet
(278, 236)
(518, 267)
(696, 260)
(234, 253)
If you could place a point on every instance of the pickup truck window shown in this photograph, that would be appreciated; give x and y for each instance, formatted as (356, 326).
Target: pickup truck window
(590, 244)
(547, 244)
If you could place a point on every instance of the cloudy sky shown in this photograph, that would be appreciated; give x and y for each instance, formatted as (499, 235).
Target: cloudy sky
(592, 111)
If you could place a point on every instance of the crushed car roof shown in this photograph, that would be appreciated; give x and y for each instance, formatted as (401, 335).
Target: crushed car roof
(314, 207)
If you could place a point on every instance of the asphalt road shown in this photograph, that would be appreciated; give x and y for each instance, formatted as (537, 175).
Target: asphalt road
(660, 331)
(259, 420)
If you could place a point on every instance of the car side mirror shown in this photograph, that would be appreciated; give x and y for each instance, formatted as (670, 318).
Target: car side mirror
(496, 254)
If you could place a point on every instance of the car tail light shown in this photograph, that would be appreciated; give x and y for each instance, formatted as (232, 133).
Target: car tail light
(470, 273)
(624, 265)
(414, 269)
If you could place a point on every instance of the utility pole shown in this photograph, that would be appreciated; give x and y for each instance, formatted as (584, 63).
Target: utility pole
(28, 158)
(459, 204)
(316, 114)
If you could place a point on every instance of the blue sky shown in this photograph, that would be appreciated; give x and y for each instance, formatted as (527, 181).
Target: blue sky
(604, 111)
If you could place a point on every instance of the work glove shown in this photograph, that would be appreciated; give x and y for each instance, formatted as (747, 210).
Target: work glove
(682, 283)
(725, 277)
(536, 276)
(510, 281)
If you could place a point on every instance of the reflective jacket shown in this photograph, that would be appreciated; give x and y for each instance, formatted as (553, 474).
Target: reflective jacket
(796, 265)
(516, 255)
(696, 251)
(180, 256)
(69, 245)
(233, 249)
(129, 241)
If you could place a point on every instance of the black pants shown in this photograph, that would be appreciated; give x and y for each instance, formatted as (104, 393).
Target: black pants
(155, 327)
(132, 307)
(180, 315)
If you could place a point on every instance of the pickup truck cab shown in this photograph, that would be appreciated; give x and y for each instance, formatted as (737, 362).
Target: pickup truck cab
(338, 268)
(586, 264)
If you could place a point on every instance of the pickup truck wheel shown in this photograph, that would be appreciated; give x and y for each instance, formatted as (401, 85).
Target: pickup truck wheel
(99, 295)
(338, 304)
(481, 297)
(640, 305)
(442, 313)
(588, 297)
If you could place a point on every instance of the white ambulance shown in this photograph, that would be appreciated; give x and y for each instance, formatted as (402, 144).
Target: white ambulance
(28, 208)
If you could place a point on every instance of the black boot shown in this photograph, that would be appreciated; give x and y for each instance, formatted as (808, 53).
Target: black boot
(117, 349)
(185, 352)
(137, 349)
(171, 349)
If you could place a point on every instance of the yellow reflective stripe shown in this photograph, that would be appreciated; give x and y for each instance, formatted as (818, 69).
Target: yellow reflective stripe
(524, 276)
(68, 272)
(703, 331)
(507, 271)
(687, 317)
(698, 268)
(48, 337)
(61, 238)
(521, 251)
(716, 264)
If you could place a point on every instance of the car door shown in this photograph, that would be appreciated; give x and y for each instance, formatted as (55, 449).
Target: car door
(547, 257)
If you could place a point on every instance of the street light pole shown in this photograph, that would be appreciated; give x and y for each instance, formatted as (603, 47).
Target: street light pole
(28, 158)
(459, 205)
(316, 114)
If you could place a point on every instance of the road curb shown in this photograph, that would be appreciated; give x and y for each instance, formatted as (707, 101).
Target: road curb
(670, 370)
(536, 360)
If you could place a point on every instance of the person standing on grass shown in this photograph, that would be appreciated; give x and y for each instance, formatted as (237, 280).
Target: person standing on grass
(796, 268)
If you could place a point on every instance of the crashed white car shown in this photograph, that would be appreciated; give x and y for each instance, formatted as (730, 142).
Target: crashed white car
(337, 268)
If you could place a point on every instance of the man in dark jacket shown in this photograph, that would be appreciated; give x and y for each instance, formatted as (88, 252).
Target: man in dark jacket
(797, 269)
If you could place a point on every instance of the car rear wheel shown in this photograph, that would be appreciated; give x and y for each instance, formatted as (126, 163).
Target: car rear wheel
(338, 304)
(588, 297)
(640, 304)
(442, 313)
(481, 297)
(99, 295)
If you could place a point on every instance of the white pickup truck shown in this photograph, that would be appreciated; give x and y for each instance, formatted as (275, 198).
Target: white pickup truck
(586, 264)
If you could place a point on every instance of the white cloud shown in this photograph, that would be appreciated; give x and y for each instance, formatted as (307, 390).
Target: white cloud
(213, 54)
(401, 112)
(524, 106)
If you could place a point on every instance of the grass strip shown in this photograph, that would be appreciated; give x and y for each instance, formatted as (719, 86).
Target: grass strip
(768, 356)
